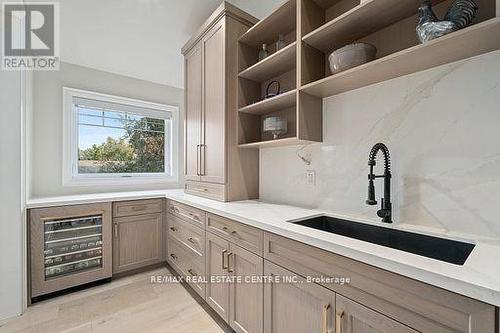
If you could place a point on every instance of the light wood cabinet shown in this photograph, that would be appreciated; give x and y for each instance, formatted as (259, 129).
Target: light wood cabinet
(230, 292)
(243, 235)
(352, 317)
(420, 306)
(246, 313)
(187, 263)
(213, 157)
(193, 122)
(217, 263)
(137, 207)
(214, 167)
(291, 305)
(137, 241)
(187, 213)
(186, 243)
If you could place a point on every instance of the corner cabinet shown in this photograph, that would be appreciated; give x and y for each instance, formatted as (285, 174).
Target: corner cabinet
(214, 166)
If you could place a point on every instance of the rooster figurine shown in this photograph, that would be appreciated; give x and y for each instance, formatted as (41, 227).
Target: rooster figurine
(459, 15)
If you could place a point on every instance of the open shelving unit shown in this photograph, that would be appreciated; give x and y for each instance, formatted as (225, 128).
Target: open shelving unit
(279, 62)
(283, 101)
(417, 58)
(281, 66)
(390, 26)
(321, 26)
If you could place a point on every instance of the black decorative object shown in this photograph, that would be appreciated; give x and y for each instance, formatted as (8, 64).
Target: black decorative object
(459, 15)
(276, 92)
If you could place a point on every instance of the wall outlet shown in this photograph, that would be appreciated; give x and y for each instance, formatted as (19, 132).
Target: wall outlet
(311, 177)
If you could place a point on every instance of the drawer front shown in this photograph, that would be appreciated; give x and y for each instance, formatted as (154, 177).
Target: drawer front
(247, 237)
(206, 190)
(187, 234)
(187, 265)
(137, 207)
(187, 213)
(418, 305)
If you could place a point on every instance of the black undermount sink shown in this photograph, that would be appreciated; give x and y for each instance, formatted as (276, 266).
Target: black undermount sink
(450, 251)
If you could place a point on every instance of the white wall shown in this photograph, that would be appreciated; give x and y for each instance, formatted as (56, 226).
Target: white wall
(443, 129)
(140, 39)
(46, 126)
(258, 8)
(11, 193)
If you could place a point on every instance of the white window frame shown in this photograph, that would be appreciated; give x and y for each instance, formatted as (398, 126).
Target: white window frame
(70, 141)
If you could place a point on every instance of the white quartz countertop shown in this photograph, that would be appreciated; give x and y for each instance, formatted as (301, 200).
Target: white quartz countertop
(478, 278)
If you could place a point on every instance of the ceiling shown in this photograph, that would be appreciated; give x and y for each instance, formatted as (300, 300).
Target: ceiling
(138, 38)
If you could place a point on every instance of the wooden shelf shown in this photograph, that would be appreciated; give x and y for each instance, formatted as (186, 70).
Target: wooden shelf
(275, 143)
(277, 63)
(282, 20)
(280, 102)
(469, 42)
(360, 21)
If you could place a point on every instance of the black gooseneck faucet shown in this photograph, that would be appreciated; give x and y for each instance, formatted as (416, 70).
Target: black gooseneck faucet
(385, 211)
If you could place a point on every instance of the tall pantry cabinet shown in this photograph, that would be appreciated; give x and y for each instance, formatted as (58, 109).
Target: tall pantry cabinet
(214, 167)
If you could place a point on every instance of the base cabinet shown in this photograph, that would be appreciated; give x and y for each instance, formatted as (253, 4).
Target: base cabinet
(137, 241)
(229, 289)
(291, 305)
(352, 317)
(246, 313)
(217, 264)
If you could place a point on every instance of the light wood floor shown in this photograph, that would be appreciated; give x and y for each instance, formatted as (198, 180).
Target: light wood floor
(129, 304)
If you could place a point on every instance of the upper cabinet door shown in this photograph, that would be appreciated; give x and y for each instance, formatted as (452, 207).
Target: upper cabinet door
(193, 83)
(214, 130)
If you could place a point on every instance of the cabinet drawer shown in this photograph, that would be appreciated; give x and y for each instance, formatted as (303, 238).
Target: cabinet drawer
(245, 236)
(206, 190)
(187, 264)
(187, 213)
(188, 234)
(418, 305)
(137, 207)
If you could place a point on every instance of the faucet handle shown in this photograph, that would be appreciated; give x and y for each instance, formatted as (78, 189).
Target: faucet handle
(371, 192)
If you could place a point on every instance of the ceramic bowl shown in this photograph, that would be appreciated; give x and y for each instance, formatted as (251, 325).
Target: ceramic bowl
(351, 56)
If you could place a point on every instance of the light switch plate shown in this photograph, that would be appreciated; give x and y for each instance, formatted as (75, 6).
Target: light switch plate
(311, 177)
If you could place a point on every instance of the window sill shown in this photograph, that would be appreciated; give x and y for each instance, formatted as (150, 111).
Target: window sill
(119, 181)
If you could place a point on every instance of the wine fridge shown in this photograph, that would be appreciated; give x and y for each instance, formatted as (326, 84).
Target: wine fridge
(70, 246)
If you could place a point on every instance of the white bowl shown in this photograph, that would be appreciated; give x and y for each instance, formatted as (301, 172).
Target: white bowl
(351, 56)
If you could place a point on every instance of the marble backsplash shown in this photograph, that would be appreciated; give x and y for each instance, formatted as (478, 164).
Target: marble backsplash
(442, 127)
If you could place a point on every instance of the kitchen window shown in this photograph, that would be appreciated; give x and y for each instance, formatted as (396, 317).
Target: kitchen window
(117, 140)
